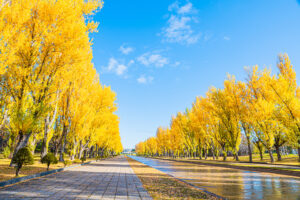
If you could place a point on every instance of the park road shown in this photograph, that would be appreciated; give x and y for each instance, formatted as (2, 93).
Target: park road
(107, 179)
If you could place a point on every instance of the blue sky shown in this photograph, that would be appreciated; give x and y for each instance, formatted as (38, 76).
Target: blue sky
(159, 55)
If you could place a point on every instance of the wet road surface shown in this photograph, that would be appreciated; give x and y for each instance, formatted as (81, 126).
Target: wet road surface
(230, 183)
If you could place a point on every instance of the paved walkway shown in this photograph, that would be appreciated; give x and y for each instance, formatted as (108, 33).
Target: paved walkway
(109, 179)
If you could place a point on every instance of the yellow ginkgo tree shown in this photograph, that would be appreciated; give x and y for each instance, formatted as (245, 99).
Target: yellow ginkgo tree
(265, 109)
(51, 93)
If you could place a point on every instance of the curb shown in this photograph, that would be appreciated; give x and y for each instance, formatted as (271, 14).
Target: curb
(190, 184)
(126, 157)
(21, 179)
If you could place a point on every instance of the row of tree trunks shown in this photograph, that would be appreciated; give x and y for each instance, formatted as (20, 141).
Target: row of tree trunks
(48, 126)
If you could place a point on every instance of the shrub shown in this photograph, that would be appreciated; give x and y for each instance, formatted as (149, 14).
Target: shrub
(6, 152)
(22, 157)
(76, 161)
(83, 159)
(38, 147)
(49, 159)
(67, 163)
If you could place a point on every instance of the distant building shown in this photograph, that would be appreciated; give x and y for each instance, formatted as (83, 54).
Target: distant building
(128, 151)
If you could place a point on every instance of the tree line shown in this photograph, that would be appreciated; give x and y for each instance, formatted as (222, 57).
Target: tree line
(263, 111)
(51, 97)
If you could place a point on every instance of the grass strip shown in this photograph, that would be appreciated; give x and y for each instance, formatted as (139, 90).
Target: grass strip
(7, 173)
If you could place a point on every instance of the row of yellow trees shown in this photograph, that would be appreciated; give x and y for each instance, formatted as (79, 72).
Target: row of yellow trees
(50, 92)
(264, 110)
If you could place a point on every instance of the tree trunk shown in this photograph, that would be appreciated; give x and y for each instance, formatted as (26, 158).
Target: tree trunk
(64, 131)
(217, 154)
(91, 152)
(33, 144)
(63, 144)
(74, 149)
(18, 170)
(213, 150)
(261, 154)
(56, 150)
(224, 155)
(13, 144)
(200, 153)
(299, 154)
(236, 155)
(102, 152)
(278, 153)
(249, 149)
(2, 141)
(82, 149)
(23, 141)
(271, 155)
(47, 129)
(96, 151)
(84, 153)
(44, 149)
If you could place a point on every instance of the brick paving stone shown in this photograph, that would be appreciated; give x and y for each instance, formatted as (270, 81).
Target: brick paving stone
(107, 179)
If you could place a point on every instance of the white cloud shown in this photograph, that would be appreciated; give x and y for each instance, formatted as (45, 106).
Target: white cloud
(115, 67)
(143, 79)
(177, 63)
(226, 38)
(179, 25)
(120, 69)
(126, 50)
(153, 59)
(185, 9)
(131, 62)
(173, 6)
(112, 64)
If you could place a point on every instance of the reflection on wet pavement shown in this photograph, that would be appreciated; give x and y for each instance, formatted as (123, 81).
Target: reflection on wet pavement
(230, 183)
